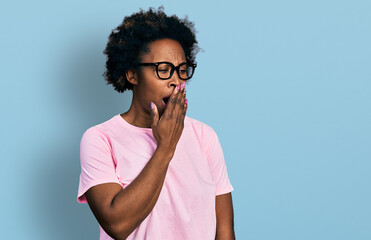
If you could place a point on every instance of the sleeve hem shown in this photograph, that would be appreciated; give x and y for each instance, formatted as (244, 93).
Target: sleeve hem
(81, 193)
(224, 190)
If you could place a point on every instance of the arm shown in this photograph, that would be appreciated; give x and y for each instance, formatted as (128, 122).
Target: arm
(120, 211)
(224, 217)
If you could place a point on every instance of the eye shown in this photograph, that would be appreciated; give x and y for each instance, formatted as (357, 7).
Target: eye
(164, 70)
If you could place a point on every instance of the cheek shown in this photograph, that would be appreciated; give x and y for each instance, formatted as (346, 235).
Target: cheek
(150, 85)
(153, 89)
(148, 73)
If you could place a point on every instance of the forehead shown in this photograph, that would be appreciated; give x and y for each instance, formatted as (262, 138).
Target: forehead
(165, 50)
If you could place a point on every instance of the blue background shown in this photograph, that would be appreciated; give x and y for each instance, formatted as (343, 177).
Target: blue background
(285, 84)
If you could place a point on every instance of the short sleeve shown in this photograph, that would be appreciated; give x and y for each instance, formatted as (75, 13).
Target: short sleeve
(97, 164)
(216, 160)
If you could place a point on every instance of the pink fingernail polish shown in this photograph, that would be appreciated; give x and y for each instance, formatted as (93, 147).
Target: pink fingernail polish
(183, 85)
(178, 87)
(185, 101)
(152, 105)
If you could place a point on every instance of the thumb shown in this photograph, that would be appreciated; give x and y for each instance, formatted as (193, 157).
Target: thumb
(154, 115)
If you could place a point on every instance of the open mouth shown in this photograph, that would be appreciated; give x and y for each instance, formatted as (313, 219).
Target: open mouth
(166, 99)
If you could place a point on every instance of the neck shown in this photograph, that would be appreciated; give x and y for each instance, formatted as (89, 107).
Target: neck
(137, 115)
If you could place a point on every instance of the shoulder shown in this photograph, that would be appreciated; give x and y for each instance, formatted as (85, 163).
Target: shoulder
(191, 122)
(207, 138)
(205, 130)
(101, 130)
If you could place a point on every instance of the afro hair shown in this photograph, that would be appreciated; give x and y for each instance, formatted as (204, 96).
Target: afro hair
(131, 39)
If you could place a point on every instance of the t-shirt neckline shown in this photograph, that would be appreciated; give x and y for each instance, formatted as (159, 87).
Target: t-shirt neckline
(127, 124)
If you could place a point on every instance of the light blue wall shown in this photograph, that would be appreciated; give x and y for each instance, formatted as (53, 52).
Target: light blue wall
(285, 84)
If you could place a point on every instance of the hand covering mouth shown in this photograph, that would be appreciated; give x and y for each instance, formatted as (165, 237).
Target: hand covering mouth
(166, 99)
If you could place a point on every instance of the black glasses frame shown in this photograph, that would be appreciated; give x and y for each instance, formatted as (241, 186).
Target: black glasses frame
(156, 64)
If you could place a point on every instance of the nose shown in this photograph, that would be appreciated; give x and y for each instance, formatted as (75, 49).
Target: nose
(175, 80)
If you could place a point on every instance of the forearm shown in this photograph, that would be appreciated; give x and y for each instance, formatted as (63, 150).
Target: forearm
(227, 235)
(133, 204)
(225, 217)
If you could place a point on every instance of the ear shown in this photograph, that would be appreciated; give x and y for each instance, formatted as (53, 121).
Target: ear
(132, 76)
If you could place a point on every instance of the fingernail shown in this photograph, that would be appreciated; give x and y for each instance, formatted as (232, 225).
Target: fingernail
(185, 101)
(183, 85)
(152, 106)
(178, 87)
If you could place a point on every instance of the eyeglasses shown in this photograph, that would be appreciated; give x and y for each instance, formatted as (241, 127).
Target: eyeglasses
(165, 70)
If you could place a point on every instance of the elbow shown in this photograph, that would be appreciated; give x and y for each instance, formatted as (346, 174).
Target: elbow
(116, 232)
(119, 231)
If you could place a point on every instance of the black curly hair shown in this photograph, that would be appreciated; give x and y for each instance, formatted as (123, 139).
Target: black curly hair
(131, 39)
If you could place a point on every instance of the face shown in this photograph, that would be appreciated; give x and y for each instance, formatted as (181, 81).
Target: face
(148, 87)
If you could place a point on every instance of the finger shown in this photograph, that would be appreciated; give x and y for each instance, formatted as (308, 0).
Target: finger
(172, 102)
(154, 115)
(180, 104)
(181, 98)
(185, 108)
(184, 93)
(183, 111)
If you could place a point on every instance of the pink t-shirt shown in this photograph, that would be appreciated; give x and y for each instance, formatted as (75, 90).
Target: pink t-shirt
(116, 151)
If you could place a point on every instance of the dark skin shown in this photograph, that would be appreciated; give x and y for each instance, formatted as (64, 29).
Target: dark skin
(120, 211)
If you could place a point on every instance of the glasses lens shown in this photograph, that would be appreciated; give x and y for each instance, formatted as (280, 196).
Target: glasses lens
(164, 70)
(190, 70)
(185, 71)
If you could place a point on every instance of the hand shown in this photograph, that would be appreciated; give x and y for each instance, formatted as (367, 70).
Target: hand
(168, 129)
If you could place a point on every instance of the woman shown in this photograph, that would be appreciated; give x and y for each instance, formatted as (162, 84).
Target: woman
(152, 172)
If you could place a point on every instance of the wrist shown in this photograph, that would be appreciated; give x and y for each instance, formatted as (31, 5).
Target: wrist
(165, 151)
